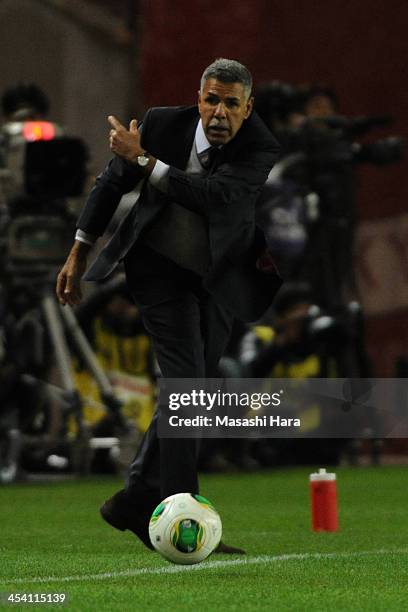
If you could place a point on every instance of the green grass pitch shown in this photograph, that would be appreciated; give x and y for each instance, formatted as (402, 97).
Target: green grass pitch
(52, 541)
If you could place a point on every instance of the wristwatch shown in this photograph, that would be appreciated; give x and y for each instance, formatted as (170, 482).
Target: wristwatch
(143, 159)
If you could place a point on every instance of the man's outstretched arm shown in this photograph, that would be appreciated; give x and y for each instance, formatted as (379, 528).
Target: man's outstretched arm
(68, 287)
(232, 181)
(119, 177)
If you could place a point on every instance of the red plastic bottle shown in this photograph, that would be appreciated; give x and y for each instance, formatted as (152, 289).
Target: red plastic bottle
(323, 495)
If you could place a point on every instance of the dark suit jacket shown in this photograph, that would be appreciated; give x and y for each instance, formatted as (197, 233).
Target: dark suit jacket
(226, 199)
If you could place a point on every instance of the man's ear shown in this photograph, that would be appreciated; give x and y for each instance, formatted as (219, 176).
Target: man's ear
(249, 107)
(199, 97)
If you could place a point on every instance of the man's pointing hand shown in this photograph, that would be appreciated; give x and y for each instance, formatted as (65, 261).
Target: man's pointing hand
(123, 142)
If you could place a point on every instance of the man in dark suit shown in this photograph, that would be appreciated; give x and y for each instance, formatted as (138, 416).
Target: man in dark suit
(190, 251)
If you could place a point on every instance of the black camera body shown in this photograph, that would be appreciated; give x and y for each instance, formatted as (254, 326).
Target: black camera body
(329, 142)
(42, 169)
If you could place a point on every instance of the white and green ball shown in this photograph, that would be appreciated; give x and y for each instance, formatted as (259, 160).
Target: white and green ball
(185, 528)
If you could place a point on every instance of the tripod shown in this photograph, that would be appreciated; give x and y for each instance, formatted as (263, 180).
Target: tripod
(55, 317)
(62, 329)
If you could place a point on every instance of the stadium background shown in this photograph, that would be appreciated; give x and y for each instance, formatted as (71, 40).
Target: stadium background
(104, 56)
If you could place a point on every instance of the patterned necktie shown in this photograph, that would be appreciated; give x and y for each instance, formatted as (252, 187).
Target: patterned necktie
(209, 158)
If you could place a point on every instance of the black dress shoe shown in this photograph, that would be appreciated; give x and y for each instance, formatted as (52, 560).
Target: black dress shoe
(228, 550)
(123, 513)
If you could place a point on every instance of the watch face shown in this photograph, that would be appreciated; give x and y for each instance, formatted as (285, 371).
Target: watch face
(142, 160)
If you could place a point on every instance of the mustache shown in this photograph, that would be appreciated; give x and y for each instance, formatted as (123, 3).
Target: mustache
(218, 126)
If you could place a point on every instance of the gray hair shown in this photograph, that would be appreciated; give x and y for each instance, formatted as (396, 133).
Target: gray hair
(228, 71)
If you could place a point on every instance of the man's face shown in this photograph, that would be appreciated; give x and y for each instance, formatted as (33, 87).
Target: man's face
(223, 108)
(320, 106)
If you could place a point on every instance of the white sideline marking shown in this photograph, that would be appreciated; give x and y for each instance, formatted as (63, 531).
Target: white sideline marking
(178, 569)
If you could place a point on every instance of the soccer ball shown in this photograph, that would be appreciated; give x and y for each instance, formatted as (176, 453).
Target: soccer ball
(185, 528)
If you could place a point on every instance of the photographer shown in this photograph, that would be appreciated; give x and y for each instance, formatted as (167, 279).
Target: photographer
(303, 343)
(320, 101)
(308, 203)
(19, 102)
(298, 347)
(24, 102)
(40, 169)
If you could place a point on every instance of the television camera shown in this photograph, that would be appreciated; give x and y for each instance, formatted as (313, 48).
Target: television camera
(41, 169)
(308, 204)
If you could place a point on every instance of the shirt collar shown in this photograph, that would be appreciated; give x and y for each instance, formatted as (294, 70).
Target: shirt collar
(201, 141)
